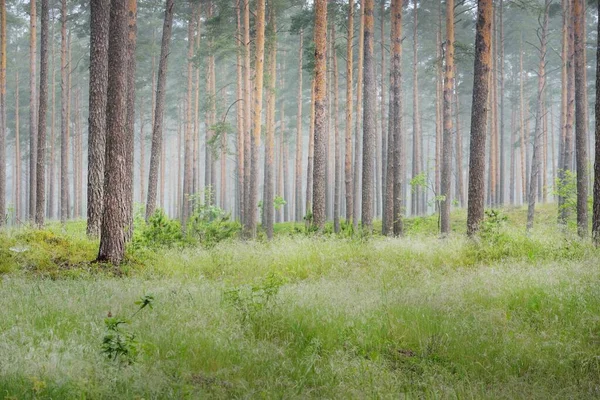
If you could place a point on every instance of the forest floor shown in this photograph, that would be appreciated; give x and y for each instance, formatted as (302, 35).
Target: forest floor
(508, 315)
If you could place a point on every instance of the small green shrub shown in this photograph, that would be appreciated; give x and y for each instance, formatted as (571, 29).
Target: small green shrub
(119, 344)
(160, 231)
(210, 224)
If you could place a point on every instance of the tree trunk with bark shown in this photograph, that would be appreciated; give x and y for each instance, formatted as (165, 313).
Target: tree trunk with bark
(157, 127)
(398, 137)
(481, 78)
(269, 193)
(580, 118)
(32, 109)
(114, 219)
(131, 68)
(596, 209)
(64, 145)
(369, 119)
(299, 209)
(40, 198)
(448, 139)
(320, 100)
(349, 95)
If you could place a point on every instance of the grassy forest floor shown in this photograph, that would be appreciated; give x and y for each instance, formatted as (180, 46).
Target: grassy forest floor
(508, 315)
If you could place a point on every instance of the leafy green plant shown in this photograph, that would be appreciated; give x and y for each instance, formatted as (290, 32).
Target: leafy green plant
(251, 300)
(210, 224)
(492, 224)
(119, 344)
(159, 231)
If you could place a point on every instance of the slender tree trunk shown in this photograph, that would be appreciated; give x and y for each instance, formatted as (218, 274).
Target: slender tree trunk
(500, 45)
(259, 26)
(416, 194)
(157, 133)
(64, 146)
(142, 155)
(131, 68)
(460, 185)
(382, 142)
(268, 201)
(522, 124)
(114, 219)
(32, 111)
(186, 210)
(596, 208)
(299, 210)
(241, 122)
(247, 117)
(311, 153)
(349, 95)
(387, 224)
(369, 122)
(3, 112)
(17, 194)
(52, 169)
(448, 140)
(439, 130)
(481, 78)
(580, 120)
(196, 132)
(320, 100)
(358, 151)
(336, 130)
(539, 129)
(40, 212)
(398, 139)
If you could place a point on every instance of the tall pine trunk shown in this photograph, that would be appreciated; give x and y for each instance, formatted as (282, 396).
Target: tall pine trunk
(320, 130)
(349, 95)
(481, 78)
(269, 192)
(40, 211)
(114, 219)
(32, 110)
(64, 144)
(448, 139)
(580, 118)
(369, 118)
(156, 152)
(299, 210)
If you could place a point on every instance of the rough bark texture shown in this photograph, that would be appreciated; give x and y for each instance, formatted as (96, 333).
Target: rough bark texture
(417, 196)
(448, 139)
(17, 193)
(349, 95)
(398, 137)
(114, 218)
(536, 162)
(580, 119)
(40, 211)
(567, 157)
(320, 99)
(241, 121)
(311, 153)
(247, 115)
(481, 78)
(99, 25)
(161, 93)
(369, 119)
(388, 196)
(32, 108)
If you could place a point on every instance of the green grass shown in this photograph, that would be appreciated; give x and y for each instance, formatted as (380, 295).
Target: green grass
(508, 316)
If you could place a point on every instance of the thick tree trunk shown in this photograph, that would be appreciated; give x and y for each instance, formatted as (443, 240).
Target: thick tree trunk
(448, 139)
(481, 78)
(32, 110)
(40, 211)
(157, 133)
(114, 219)
(349, 95)
(320, 100)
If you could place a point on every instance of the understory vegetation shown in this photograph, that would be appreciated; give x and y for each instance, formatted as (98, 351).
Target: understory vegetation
(507, 315)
